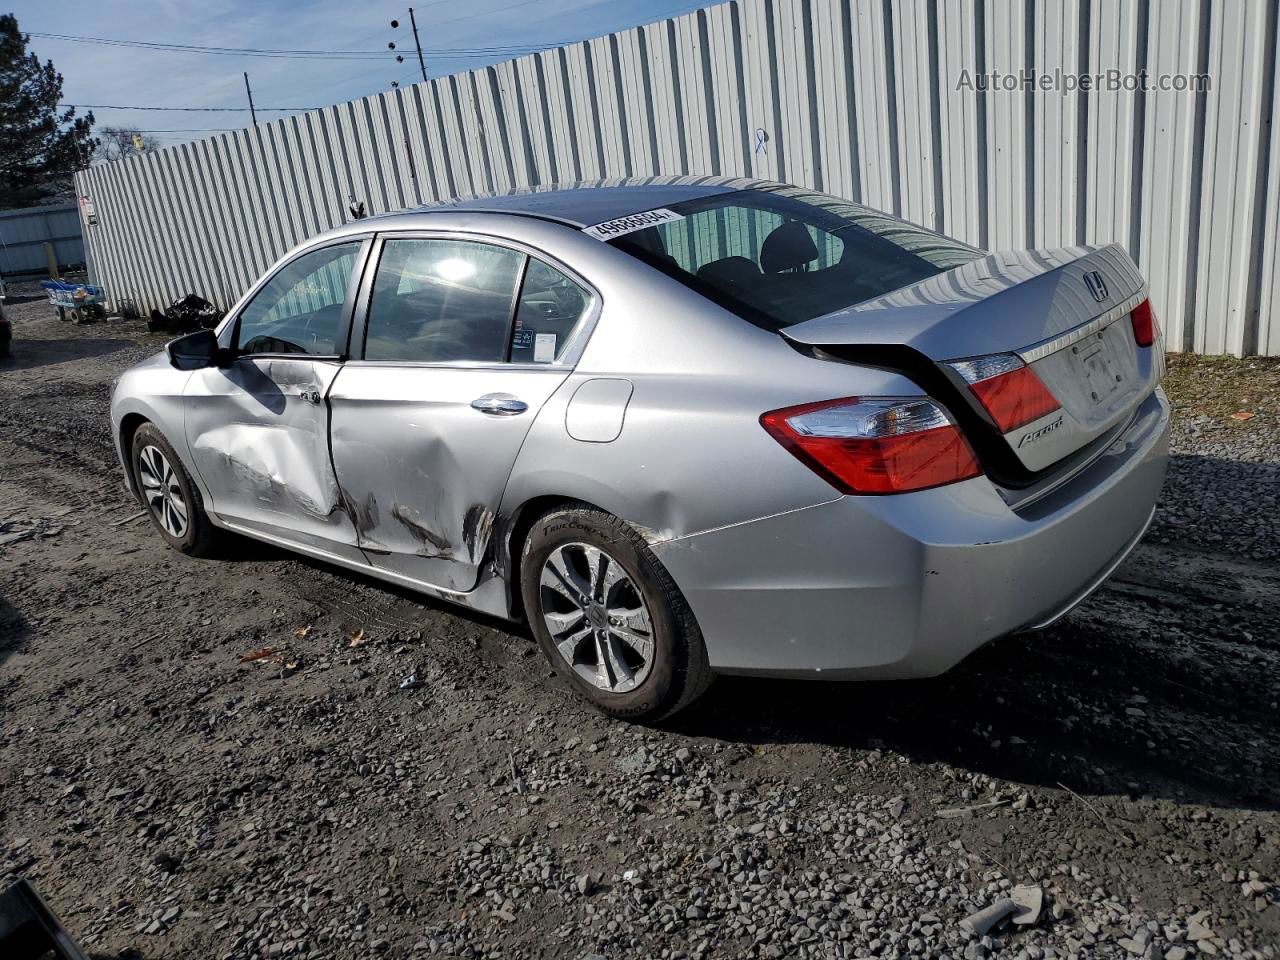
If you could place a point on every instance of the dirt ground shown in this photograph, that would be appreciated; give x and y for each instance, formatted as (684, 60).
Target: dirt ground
(172, 801)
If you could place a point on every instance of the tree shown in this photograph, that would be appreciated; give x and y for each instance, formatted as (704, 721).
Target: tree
(116, 143)
(40, 146)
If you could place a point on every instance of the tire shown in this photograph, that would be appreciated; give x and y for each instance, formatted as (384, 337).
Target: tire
(163, 483)
(62, 313)
(638, 591)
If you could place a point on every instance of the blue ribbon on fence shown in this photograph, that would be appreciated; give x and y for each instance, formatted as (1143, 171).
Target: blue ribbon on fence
(762, 140)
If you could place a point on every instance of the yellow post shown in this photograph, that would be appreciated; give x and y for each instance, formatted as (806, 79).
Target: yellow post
(51, 256)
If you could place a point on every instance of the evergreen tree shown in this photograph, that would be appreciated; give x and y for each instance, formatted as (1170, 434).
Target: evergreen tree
(40, 146)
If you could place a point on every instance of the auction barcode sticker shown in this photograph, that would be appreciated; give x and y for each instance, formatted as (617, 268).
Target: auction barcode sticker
(636, 221)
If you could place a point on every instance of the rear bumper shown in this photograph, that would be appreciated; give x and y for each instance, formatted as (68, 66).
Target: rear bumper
(909, 585)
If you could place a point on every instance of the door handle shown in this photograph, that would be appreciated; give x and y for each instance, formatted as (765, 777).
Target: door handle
(497, 406)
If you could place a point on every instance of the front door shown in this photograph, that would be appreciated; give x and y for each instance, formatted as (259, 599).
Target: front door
(464, 343)
(258, 429)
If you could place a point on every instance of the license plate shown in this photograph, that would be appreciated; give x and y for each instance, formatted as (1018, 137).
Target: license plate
(1097, 371)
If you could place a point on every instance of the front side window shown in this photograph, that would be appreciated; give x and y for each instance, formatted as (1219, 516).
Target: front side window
(300, 308)
(440, 301)
(778, 256)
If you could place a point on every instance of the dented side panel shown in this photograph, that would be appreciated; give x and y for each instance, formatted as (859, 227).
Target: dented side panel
(422, 469)
(258, 434)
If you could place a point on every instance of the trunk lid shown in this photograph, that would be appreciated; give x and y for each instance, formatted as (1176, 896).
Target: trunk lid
(1063, 311)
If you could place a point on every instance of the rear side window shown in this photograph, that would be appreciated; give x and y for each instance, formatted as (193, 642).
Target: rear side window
(439, 301)
(778, 256)
(550, 309)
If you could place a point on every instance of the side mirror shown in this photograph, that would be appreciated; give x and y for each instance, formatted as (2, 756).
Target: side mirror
(195, 351)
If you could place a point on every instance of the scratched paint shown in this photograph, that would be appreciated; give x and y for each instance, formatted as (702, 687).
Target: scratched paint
(433, 544)
(477, 527)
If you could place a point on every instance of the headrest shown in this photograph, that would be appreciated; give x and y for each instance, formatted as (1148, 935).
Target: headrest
(787, 247)
(729, 271)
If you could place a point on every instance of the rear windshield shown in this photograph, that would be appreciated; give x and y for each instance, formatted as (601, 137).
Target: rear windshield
(777, 256)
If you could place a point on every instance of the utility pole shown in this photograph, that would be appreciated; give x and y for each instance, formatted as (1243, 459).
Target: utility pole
(422, 63)
(249, 91)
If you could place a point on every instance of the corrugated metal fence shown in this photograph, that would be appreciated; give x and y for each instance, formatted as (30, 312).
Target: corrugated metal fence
(875, 100)
(24, 232)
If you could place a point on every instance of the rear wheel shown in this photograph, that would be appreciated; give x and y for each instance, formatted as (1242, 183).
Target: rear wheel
(609, 617)
(170, 496)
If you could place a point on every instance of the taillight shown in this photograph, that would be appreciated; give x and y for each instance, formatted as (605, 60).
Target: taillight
(1145, 327)
(875, 445)
(1008, 389)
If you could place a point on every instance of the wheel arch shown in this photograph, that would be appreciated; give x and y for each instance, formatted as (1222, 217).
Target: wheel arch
(516, 534)
(129, 425)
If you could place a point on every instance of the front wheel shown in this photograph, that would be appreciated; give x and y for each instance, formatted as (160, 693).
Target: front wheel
(170, 495)
(609, 617)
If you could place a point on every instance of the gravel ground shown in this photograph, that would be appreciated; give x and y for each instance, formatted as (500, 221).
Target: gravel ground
(172, 799)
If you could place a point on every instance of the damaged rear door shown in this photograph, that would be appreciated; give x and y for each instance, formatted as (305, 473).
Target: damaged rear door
(462, 343)
(258, 427)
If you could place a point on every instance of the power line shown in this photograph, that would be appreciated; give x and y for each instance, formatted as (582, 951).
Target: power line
(540, 47)
(285, 53)
(116, 106)
(482, 13)
(220, 51)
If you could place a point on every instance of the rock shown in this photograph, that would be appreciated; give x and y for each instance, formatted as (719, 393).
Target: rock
(1197, 932)
(982, 921)
(1029, 900)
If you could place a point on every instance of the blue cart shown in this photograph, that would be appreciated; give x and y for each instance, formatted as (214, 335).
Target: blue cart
(76, 302)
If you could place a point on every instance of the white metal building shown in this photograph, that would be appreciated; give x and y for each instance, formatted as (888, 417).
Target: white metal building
(873, 100)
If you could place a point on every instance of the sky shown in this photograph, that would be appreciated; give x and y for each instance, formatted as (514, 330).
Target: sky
(95, 73)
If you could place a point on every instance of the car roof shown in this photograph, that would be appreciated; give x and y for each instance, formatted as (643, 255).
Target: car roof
(589, 202)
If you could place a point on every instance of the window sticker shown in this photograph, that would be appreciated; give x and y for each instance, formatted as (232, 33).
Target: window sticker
(636, 221)
(522, 340)
(544, 348)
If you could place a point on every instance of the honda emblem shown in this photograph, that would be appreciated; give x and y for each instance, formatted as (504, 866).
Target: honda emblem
(1096, 284)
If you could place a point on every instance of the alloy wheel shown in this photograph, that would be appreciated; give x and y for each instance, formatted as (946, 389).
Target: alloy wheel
(597, 617)
(161, 491)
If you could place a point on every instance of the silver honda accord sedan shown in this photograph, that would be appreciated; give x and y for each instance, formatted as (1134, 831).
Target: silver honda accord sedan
(680, 427)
